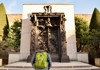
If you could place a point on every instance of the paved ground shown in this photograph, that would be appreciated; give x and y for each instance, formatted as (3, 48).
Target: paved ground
(74, 65)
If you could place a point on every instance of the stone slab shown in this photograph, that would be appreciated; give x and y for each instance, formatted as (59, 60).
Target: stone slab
(83, 57)
(13, 57)
(73, 65)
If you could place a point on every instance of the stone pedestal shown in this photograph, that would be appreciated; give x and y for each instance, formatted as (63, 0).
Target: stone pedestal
(65, 58)
(13, 57)
(83, 57)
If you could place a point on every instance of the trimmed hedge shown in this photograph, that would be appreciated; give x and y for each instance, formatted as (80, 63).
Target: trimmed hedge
(95, 20)
(3, 21)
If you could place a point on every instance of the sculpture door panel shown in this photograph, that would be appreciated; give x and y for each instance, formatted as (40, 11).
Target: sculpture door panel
(53, 40)
(42, 39)
(48, 33)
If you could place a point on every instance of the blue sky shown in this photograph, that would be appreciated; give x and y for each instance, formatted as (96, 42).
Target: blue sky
(80, 6)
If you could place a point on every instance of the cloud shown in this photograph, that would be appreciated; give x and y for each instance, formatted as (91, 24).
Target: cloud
(11, 6)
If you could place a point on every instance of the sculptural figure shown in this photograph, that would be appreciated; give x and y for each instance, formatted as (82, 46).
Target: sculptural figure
(34, 19)
(48, 22)
(48, 9)
(49, 32)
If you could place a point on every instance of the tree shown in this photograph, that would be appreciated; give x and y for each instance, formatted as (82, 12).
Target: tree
(93, 45)
(95, 31)
(94, 36)
(3, 22)
(95, 20)
(82, 31)
(5, 30)
(14, 35)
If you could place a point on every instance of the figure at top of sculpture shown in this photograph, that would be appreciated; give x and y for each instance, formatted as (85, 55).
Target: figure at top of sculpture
(63, 18)
(48, 9)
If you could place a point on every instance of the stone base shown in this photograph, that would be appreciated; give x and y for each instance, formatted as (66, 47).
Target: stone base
(83, 57)
(65, 58)
(14, 57)
(29, 58)
(54, 58)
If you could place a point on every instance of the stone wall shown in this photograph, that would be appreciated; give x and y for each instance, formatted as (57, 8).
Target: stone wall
(87, 17)
(13, 17)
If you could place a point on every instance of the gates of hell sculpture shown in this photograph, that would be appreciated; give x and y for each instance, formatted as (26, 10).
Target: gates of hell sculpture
(48, 33)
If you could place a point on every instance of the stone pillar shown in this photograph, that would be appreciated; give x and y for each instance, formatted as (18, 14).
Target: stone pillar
(70, 32)
(25, 38)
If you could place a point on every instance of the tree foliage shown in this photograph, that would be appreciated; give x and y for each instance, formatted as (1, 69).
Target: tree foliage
(6, 30)
(94, 36)
(95, 20)
(3, 22)
(14, 35)
(82, 31)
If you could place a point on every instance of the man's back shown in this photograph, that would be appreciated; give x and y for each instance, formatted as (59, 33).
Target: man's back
(41, 60)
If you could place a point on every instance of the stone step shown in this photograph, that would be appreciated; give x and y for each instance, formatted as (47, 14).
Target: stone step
(52, 66)
(51, 69)
(74, 65)
(89, 67)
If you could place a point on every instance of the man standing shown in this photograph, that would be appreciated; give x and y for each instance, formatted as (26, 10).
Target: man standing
(41, 60)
